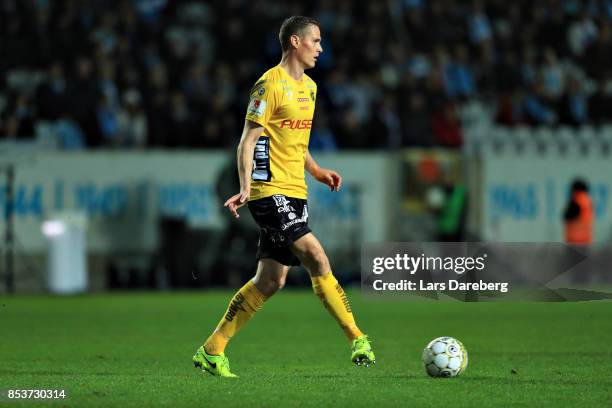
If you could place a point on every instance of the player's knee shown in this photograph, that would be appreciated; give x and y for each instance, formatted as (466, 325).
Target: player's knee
(319, 262)
(275, 285)
(269, 287)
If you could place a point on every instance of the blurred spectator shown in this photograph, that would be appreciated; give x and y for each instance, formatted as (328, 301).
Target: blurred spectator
(479, 24)
(83, 95)
(452, 212)
(108, 121)
(52, 95)
(69, 134)
(132, 121)
(578, 215)
(507, 75)
(552, 75)
(458, 76)
(388, 121)
(447, 126)
(181, 125)
(24, 114)
(581, 34)
(599, 103)
(418, 31)
(510, 109)
(76, 61)
(157, 104)
(528, 67)
(550, 24)
(416, 125)
(108, 84)
(598, 55)
(536, 108)
(574, 104)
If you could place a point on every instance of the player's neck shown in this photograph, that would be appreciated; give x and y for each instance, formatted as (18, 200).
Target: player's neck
(293, 67)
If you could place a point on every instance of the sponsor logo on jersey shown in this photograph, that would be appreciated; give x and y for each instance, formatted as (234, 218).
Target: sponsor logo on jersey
(302, 99)
(296, 124)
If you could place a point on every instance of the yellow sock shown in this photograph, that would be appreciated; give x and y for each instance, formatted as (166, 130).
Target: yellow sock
(335, 301)
(245, 303)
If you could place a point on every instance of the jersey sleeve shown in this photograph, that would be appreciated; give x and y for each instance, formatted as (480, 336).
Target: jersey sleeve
(263, 101)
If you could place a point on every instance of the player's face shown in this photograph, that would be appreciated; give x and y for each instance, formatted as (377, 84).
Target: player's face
(310, 46)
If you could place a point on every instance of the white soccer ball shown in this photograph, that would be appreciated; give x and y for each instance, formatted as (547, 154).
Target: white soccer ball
(445, 357)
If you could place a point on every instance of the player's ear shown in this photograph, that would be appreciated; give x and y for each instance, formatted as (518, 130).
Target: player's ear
(295, 40)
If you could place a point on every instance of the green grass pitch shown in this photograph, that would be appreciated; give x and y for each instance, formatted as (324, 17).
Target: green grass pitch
(135, 350)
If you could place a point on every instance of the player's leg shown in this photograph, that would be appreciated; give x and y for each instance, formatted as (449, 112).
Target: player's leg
(309, 251)
(312, 255)
(270, 277)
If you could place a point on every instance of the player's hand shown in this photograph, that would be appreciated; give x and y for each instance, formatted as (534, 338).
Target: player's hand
(330, 178)
(237, 200)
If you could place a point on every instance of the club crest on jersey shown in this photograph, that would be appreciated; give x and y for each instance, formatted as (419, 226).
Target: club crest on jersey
(312, 95)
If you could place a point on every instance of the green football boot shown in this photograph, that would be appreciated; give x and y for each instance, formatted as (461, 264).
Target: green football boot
(361, 352)
(215, 365)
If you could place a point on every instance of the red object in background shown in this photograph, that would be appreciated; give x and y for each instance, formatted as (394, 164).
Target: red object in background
(447, 126)
(429, 169)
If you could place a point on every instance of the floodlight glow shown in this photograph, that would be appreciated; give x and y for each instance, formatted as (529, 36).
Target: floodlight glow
(53, 228)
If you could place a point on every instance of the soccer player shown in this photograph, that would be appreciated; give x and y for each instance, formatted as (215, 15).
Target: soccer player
(272, 156)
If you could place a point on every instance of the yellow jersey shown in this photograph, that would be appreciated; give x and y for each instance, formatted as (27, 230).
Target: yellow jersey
(284, 107)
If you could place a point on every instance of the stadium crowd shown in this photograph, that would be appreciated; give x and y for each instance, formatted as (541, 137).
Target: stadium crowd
(170, 74)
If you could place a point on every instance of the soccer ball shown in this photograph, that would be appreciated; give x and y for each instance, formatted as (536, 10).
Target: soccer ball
(445, 357)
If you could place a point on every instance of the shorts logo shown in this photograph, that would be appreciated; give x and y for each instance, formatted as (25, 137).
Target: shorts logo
(282, 204)
(302, 219)
(257, 107)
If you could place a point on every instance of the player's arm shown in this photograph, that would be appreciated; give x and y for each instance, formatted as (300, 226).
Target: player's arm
(325, 176)
(246, 148)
